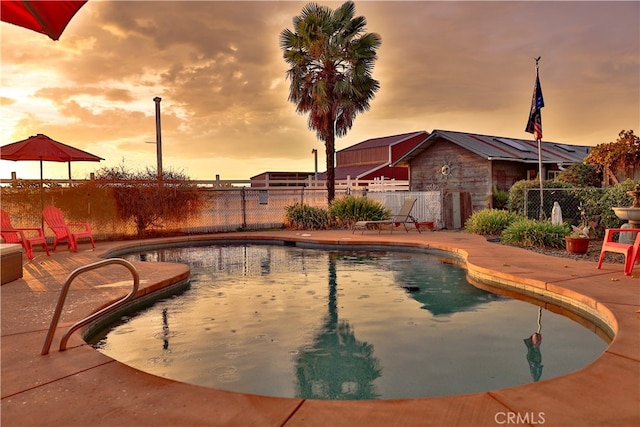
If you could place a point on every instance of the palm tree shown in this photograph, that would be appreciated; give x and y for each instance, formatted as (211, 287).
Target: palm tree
(331, 59)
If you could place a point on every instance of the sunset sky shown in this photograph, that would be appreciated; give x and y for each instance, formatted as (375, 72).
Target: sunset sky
(218, 67)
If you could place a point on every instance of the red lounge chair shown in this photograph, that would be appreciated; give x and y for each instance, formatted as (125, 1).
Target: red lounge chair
(63, 231)
(630, 251)
(11, 234)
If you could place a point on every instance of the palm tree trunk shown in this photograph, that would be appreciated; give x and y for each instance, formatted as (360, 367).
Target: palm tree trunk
(331, 174)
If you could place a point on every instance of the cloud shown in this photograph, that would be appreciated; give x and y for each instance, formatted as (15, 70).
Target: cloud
(218, 68)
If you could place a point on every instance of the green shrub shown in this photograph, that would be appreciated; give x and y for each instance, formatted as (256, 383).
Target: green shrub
(347, 210)
(598, 204)
(489, 221)
(599, 208)
(500, 198)
(516, 197)
(529, 232)
(581, 175)
(303, 217)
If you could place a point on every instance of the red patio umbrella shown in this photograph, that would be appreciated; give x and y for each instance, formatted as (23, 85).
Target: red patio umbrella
(47, 17)
(43, 148)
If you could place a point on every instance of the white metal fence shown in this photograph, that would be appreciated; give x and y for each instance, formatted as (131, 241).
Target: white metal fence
(428, 207)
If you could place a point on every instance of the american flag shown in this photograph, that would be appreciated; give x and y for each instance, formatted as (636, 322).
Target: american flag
(534, 125)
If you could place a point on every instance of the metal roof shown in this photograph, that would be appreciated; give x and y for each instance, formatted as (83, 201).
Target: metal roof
(385, 141)
(354, 171)
(280, 174)
(503, 148)
(359, 171)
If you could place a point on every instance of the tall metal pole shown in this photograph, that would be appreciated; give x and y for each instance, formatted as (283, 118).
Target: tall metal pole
(541, 215)
(315, 164)
(158, 140)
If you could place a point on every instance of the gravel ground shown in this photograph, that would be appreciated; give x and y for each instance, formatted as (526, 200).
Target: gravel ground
(592, 254)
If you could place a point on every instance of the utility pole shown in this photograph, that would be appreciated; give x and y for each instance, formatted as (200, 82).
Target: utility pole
(315, 164)
(158, 140)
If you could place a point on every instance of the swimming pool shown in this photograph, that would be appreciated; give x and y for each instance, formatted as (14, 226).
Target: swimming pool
(328, 324)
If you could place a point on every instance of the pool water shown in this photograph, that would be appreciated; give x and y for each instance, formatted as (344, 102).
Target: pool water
(325, 324)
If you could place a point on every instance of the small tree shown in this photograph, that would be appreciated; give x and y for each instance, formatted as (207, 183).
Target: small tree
(581, 175)
(615, 157)
(140, 198)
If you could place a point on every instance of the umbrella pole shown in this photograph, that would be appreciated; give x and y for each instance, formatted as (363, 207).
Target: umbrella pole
(41, 197)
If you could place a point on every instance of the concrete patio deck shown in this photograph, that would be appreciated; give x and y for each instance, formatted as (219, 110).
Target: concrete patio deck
(82, 387)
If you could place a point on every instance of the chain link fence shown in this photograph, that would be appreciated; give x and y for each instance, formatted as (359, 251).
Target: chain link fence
(220, 210)
(254, 208)
(249, 208)
(572, 202)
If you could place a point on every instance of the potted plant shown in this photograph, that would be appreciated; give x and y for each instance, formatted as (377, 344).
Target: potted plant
(577, 241)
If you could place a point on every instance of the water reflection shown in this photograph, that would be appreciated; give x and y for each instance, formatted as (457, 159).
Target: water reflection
(336, 365)
(443, 293)
(534, 357)
(165, 329)
(282, 321)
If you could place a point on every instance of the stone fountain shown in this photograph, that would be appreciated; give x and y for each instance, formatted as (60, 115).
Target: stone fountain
(632, 213)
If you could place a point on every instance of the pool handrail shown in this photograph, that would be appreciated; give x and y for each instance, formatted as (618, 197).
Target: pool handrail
(63, 295)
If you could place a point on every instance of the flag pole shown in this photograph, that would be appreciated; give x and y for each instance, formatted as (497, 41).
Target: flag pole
(541, 216)
(534, 126)
(539, 138)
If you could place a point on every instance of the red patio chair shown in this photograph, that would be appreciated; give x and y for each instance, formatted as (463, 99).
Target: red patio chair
(10, 234)
(63, 230)
(631, 252)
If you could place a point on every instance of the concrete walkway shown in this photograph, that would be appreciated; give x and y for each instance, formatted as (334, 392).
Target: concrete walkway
(81, 387)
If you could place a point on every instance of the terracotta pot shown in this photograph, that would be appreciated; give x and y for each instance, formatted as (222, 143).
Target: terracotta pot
(577, 245)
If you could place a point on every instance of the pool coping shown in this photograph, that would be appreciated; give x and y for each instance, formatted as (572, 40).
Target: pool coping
(58, 386)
